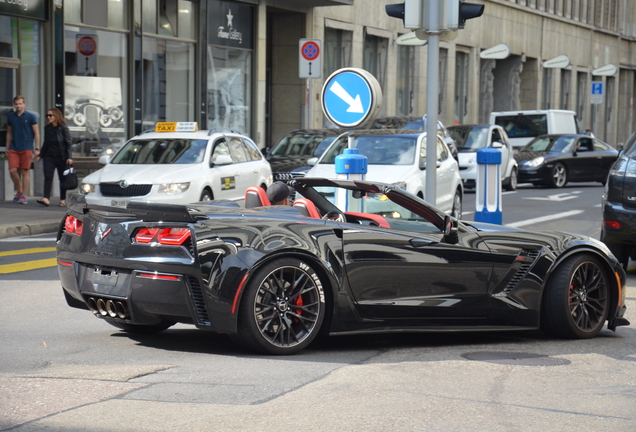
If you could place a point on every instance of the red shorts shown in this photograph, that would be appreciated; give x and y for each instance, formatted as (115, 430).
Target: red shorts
(20, 159)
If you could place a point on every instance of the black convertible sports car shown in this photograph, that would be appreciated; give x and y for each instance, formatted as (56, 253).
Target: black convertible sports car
(349, 257)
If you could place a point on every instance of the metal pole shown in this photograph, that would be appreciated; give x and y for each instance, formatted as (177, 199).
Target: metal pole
(432, 84)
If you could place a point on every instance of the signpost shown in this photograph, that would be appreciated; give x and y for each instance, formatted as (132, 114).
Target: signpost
(351, 98)
(87, 47)
(596, 94)
(309, 67)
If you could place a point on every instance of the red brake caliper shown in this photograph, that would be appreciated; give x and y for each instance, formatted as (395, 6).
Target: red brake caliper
(299, 302)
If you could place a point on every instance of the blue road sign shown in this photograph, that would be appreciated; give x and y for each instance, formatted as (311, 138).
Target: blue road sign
(347, 98)
(597, 88)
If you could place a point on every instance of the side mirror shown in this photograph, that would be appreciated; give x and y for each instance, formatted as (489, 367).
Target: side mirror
(312, 161)
(620, 146)
(104, 159)
(222, 160)
(450, 230)
(497, 145)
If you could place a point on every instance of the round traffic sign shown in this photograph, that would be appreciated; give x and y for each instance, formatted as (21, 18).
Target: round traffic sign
(87, 46)
(310, 50)
(351, 97)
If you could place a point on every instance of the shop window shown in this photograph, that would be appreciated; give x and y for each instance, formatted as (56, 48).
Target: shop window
(168, 18)
(172, 18)
(94, 89)
(149, 11)
(118, 14)
(73, 11)
(168, 81)
(186, 20)
(100, 13)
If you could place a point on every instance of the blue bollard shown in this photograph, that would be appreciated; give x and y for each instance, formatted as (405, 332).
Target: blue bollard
(350, 165)
(488, 190)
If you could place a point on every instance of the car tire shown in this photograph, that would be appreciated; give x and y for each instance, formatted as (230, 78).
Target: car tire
(510, 183)
(559, 175)
(621, 252)
(140, 328)
(577, 299)
(282, 309)
(456, 211)
(206, 195)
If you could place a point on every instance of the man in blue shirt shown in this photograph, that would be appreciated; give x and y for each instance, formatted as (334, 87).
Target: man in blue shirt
(22, 132)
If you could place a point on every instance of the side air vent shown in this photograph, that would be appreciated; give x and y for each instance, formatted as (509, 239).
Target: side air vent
(528, 258)
(198, 300)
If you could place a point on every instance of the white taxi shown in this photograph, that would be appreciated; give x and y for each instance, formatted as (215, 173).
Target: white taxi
(178, 164)
(399, 157)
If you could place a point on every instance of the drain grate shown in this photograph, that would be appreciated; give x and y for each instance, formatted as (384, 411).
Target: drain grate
(516, 358)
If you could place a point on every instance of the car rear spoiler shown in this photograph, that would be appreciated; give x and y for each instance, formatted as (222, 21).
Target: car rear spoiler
(137, 210)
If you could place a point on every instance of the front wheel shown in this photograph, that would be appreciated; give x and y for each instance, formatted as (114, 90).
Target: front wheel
(456, 212)
(206, 195)
(559, 176)
(282, 308)
(576, 301)
(510, 183)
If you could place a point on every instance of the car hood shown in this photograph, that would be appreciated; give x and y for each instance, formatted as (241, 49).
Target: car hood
(286, 163)
(384, 173)
(144, 174)
(465, 158)
(529, 155)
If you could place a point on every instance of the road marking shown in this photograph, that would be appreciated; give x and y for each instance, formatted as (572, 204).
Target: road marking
(27, 251)
(544, 218)
(557, 197)
(26, 239)
(28, 265)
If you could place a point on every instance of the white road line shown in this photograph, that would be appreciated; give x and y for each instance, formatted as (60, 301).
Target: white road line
(544, 218)
(22, 239)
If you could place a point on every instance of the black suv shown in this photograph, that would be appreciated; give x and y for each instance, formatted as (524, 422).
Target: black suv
(619, 204)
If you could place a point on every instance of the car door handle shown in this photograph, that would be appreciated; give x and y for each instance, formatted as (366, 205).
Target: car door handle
(417, 243)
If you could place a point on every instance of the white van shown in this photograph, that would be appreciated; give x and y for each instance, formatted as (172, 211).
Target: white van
(523, 126)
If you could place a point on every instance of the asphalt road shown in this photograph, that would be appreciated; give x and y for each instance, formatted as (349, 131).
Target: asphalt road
(61, 369)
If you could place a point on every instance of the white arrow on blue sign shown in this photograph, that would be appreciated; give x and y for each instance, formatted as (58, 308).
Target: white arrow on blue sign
(351, 97)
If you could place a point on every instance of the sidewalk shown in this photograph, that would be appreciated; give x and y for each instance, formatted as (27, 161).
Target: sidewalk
(32, 218)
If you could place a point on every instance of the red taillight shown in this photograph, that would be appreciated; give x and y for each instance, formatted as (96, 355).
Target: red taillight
(158, 276)
(612, 224)
(145, 235)
(164, 236)
(73, 225)
(173, 236)
(65, 263)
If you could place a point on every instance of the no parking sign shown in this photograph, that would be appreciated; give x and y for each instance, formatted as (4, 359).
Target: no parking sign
(87, 48)
(310, 59)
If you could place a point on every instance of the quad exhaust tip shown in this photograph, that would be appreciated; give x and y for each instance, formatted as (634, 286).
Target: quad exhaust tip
(107, 308)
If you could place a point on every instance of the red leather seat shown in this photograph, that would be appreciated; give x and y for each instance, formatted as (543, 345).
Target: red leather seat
(255, 196)
(307, 208)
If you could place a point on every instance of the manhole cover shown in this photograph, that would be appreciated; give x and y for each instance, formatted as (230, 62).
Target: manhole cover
(511, 358)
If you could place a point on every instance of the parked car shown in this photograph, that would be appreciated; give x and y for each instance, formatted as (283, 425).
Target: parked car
(288, 158)
(421, 124)
(555, 160)
(399, 157)
(523, 126)
(470, 139)
(178, 168)
(273, 278)
(618, 231)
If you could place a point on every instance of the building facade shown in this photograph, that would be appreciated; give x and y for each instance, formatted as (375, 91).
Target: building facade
(115, 67)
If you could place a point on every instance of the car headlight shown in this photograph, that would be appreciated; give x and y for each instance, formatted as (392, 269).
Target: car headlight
(173, 188)
(87, 188)
(401, 185)
(535, 162)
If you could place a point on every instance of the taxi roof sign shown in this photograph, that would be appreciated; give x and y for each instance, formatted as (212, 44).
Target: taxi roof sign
(176, 127)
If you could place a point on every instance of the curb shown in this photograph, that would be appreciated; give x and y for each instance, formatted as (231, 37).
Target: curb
(29, 228)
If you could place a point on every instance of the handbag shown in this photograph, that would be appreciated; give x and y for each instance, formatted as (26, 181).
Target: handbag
(70, 179)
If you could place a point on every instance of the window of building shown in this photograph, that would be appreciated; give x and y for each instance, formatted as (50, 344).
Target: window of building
(443, 77)
(566, 77)
(461, 86)
(100, 13)
(405, 85)
(374, 57)
(547, 89)
(230, 66)
(581, 92)
(337, 50)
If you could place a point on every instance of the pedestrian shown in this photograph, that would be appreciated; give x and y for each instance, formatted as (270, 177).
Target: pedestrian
(22, 132)
(278, 193)
(56, 154)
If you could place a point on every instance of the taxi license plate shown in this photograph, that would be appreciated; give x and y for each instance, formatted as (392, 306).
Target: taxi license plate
(118, 203)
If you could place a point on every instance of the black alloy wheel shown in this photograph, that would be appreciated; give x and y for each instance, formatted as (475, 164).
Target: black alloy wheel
(576, 301)
(282, 308)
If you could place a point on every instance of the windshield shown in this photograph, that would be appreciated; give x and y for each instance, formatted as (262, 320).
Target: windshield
(469, 138)
(379, 149)
(300, 144)
(161, 151)
(523, 126)
(553, 144)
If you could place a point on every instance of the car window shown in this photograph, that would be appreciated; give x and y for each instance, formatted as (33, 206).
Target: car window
(585, 144)
(324, 144)
(237, 150)
(629, 147)
(523, 126)
(469, 138)
(253, 152)
(563, 144)
(221, 152)
(600, 145)
(161, 151)
(379, 149)
(496, 136)
(298, 144)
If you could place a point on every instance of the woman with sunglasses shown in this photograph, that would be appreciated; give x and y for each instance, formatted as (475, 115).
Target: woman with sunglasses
(56, 153)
